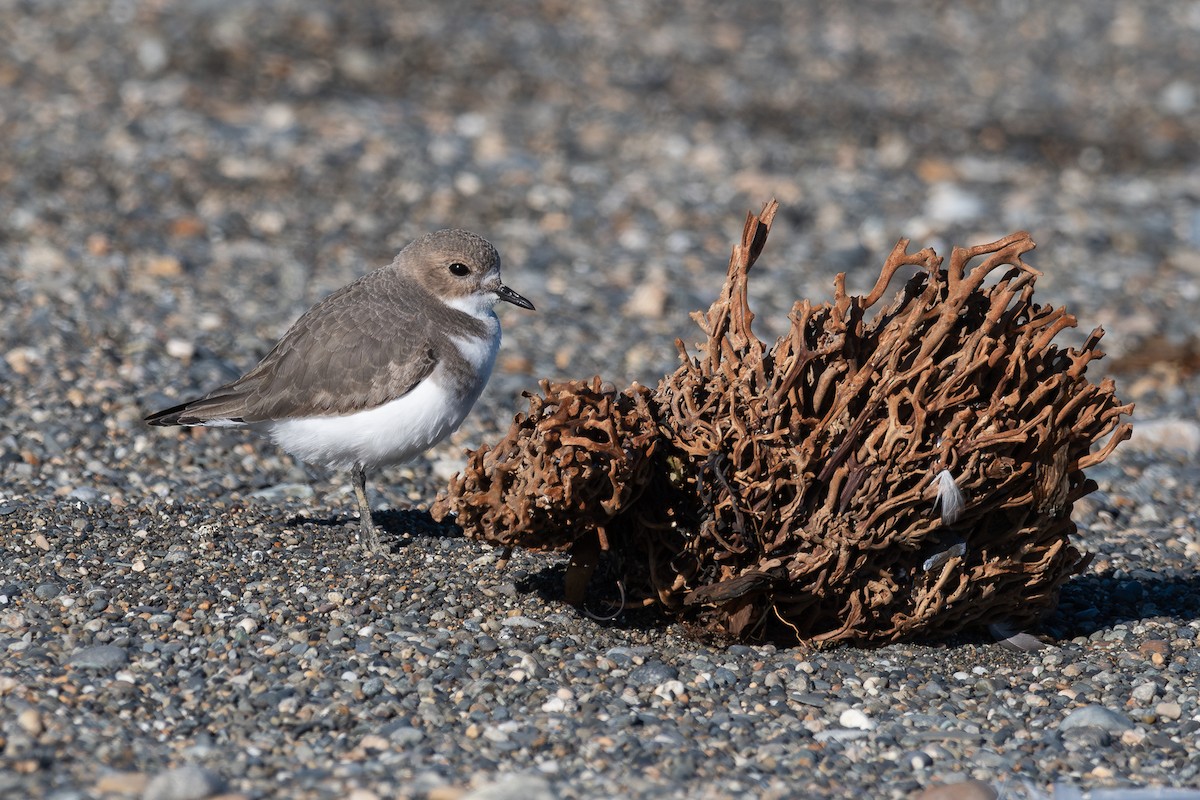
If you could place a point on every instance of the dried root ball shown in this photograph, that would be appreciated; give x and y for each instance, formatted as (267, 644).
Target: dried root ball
(880, 472)
(564, 469)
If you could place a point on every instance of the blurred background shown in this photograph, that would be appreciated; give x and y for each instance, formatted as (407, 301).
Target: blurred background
(178, 182)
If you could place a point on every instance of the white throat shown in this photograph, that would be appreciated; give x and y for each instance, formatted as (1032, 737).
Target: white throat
(479, 305)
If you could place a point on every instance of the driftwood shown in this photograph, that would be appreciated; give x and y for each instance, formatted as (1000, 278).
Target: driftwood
(878, 473)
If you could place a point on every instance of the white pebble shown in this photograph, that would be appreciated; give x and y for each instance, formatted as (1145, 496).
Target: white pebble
(855, 719)
(180, 348)
(670, 690)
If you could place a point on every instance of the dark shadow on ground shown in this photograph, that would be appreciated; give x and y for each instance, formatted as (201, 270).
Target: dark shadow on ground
(603, 603)
(1087, 604)
(395, 525)
(1098, 601)
(410, 521)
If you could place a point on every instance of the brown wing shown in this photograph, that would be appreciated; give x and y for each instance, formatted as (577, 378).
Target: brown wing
(364, 345)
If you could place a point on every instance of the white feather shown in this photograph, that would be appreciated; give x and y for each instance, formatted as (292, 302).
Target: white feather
(949, 497)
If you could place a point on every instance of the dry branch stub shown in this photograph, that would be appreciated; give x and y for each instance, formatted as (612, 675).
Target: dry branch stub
(880, 472)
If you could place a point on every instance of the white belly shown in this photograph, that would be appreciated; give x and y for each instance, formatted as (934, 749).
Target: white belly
(389, 434)
(397, 431)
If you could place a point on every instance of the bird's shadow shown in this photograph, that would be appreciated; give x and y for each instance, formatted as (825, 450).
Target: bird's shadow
(394, 523)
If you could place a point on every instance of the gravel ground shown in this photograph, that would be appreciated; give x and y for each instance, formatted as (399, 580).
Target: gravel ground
(182, 615)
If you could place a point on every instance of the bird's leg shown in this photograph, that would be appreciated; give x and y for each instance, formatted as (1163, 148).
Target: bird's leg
(368, 537)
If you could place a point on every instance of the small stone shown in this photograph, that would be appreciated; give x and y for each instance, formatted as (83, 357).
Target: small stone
(84, 494)
(648, 300)
(1098, 717)
(1177, 98)
(495, 734)
(855, 719)
(161, 266)
(100, 656)
(47, 591)
(284, 491)
(30, 721)
(949, 203)
(966, 790)
(445, 792)
(373, 741)
(1145, 692)
(125, 784)
(514, 787)
(652, 673)
(152, 54)
(183, 783)
(1088, 737)
(1171, 711)
(839, 735)
(917, 759)
(1154, 647)
(670, 690)
(1167, 436)
(181, 349)
(1133, 737)
(406, 736)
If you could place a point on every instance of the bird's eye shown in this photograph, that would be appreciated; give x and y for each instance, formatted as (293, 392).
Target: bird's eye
(459, 270)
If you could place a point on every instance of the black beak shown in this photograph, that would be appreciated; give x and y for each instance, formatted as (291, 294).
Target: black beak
(510, 296)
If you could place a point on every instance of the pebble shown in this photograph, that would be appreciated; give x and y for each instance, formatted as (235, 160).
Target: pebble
(406, 736)
(1144, 693)
(515, 787)
(183, 783)
(283, 491)
(1176, 435)
(652, 673)
(1169, 711)
(85, 494)
(917, 759)
(100, 657)
(1098, 717)
(124, 784)
(30, 721)
(965, 790)
(839, 735)
(856, 719)
(670, 690)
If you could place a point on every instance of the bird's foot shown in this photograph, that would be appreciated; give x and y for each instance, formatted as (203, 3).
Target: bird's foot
(368, 537)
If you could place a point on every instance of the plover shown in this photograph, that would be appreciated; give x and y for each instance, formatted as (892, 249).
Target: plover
(377, 372)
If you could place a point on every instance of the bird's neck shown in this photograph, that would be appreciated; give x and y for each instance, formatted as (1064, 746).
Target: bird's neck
(479, 305)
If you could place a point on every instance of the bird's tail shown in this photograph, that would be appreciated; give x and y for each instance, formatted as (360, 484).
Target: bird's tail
(221, 409)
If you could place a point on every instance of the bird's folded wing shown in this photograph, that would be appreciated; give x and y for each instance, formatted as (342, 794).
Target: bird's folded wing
(351, 352)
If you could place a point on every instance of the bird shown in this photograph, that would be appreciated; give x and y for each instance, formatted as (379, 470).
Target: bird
(379, 371)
